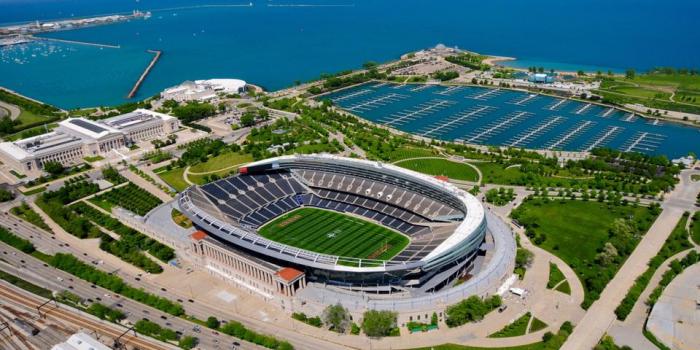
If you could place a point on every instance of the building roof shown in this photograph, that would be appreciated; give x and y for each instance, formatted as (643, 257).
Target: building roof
(198, 235)
(80, 341)
(289, 274)
(137, 117)
(88, 127)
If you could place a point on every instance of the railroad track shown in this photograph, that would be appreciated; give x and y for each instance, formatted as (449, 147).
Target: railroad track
(65, 315)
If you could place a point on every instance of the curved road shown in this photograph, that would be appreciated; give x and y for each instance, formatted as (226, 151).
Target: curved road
(14, 110)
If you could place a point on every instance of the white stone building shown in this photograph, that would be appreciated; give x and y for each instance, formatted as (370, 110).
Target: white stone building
(203, 90)
(77, 138)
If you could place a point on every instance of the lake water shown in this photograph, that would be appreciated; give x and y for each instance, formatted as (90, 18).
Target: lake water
(274, 44)
(491, 116)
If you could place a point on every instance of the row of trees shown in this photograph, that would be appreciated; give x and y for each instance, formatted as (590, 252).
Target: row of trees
(74, 266)
(471, 309)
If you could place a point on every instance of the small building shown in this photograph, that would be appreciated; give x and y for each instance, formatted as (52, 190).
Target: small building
(203, 90)
(80, 341)
(77, 138)
(541, 78)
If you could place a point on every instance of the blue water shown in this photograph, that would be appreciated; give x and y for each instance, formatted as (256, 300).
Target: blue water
(503, 117)
(275, 46)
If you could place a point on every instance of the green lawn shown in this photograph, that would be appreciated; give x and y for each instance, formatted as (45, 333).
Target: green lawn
(514, 329)
(174, 179)
(577, 231)
(555, 276)
(495, 173)
(334, 233)
(26, 117)
(444, 167)
(695, 177)
(410, 152)
(221, 161)
(564, 288)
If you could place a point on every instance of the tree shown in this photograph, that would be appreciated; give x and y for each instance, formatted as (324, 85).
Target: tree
(213, 323)
(337, 317)
(248, 119)
(378, 323)
(6, 125)
(630, 73)
(188, 342)
(53, 168)
(6, 195)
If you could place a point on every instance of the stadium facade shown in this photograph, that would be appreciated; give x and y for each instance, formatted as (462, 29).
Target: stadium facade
(447, 227)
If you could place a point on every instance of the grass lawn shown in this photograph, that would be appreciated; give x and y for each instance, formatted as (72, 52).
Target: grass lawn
(410, 152)
(174, 179)
(564, 288)
(576, 231)
(444, 167)
(93, 159)
(333, 233)
(695, 177)
(537, 325)
(517, 328)
(495, 173)
(555, 276)
(26, 117)
(221, 161)
(26, 212)
(106, 205)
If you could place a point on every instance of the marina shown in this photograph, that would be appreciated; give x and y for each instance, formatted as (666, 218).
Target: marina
(504, 117)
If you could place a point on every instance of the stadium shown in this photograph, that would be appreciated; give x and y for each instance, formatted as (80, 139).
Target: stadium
(355, 224)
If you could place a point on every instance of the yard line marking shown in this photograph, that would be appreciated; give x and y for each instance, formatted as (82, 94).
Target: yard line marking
(354, 94)
(486, 94)
(571, 134)
(505, 122)
(456, 120)
(584, 108)
(608, 134)
(537, 130)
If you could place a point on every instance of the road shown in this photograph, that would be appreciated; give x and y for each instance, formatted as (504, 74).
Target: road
(602, 313)
(14, 110)
(47, 243)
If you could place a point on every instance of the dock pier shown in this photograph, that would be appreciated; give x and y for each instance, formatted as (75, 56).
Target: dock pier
(143, 76)
(74, 42)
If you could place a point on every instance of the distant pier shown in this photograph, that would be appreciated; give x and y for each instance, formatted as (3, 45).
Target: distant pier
(143, 76)
(75, 42)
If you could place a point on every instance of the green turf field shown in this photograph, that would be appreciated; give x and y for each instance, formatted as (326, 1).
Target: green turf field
(333, 233)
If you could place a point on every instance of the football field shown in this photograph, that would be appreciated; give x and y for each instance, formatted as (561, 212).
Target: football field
(333, 233)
